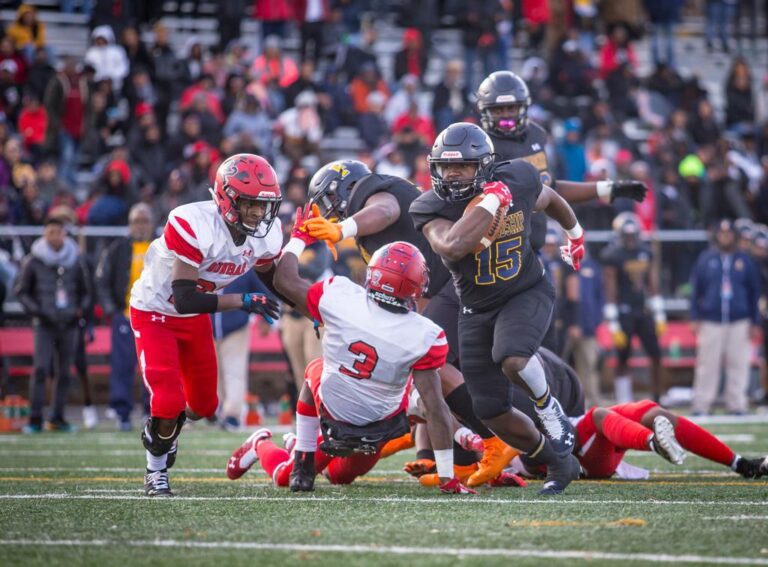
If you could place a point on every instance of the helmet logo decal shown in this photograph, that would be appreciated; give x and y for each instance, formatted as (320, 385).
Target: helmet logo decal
(340, 169)
(375, 277)
(451, 154)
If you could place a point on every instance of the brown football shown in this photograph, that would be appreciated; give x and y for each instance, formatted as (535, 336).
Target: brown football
(494, 229)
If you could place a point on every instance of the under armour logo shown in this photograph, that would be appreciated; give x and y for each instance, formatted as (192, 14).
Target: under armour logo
(466, 310)
(536, 147)
(248, 253)
(569, 439)
(160, 318)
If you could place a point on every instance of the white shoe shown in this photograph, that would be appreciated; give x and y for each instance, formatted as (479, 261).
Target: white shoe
(90, 417)
(289, 441)
(665, 443)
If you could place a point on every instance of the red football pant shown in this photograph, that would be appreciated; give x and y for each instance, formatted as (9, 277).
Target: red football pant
(177, 358)
(598, 455)
(277, 463)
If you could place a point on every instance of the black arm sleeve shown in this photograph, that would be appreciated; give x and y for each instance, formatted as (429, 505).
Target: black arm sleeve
(188, 300)
(267, 278)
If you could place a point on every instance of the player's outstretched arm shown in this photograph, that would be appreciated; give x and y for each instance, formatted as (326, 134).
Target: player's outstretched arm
(557, 208)
(380, 211)
(606, 191)
(287, 279)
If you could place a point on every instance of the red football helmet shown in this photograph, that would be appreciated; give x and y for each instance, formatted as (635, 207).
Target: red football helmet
(246, 176)
(397, 275)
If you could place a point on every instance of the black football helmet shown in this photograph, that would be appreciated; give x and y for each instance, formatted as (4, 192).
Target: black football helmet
(504, 90)
(626, 227)
(332, 184)
(461, 142)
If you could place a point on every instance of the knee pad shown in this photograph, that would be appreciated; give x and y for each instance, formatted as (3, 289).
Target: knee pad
(487, 408)
(155, 444)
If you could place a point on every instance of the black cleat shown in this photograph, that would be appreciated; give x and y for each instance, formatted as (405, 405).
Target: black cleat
(752, 468)
(302, 477)
(156, 484)
(560, 475)
(556, 426)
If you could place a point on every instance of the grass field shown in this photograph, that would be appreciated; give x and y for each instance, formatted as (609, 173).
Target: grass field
(77, 499)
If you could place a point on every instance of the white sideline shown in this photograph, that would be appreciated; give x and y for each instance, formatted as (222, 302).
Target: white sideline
(735, 518)
(400, 550)
(382, 500)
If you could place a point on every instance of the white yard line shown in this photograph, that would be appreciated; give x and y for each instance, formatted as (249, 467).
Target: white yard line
(401, 550)
(383, 500)
(139, 469)
(735, 518)
(96, 452)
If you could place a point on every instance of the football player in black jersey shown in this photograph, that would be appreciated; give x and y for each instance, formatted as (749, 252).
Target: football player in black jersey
(633, 306)
(503, 99)
(373, 209)
(506, 302)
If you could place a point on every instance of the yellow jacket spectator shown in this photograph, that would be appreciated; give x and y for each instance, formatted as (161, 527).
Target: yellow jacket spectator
(26, 31)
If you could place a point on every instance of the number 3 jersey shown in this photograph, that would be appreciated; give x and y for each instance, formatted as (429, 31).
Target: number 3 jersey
(508, 266)
(197, 235)
(369, 352)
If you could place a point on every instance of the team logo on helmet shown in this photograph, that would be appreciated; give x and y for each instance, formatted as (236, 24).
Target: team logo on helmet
(451, 155)
(375, 277)
(340, 169)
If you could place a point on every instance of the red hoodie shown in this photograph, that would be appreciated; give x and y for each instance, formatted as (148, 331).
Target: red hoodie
(32, 126)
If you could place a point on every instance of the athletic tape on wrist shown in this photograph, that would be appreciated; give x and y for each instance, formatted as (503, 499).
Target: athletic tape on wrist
(295, 246)
(444, 463)
(348, 228)
(490, 203)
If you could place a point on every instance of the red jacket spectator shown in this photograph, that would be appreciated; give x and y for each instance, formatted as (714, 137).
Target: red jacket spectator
(616, 52)
(364, 84)
(272, 65)
(300, 10)
(214, 104)
(422, 126)
(33, 122)
(272, 10)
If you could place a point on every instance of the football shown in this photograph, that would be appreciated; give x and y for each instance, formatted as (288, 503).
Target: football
(494, 229)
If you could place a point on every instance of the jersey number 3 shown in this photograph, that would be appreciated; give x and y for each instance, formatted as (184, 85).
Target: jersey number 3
(367, 359)
(500, 260)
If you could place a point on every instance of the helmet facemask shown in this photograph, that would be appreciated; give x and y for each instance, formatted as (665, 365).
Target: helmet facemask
(261, 228)
(330, 204)
(458, 189)
(506, 120)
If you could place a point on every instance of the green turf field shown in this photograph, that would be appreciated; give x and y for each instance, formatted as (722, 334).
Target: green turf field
(78, 500)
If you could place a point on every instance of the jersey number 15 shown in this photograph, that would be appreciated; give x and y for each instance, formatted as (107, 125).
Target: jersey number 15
(502, 260)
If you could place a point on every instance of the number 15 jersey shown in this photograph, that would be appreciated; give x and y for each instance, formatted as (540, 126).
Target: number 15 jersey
(486, 280)
(369, 352)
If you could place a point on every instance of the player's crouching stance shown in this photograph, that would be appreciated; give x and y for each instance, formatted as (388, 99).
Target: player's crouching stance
(357, 394)
(204, 247)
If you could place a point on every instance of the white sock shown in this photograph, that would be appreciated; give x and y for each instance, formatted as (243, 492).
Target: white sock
(307, 429)
(156, 463)
(735, 462)
(622, 386)
(533, 375)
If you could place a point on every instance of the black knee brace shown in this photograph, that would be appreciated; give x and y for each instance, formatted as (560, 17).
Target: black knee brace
(156, 444)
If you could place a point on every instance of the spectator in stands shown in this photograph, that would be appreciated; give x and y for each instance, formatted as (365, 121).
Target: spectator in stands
(391, 162)
(703, 127)
(10, 93)
(373, 128)
(719, 17)
(273, 65)
(230, 14)
(65, 98)
(450, 100)
(617, 52)
(119, 267)
(312, 15)
(40, 73)
(273, 15)
(367, 81)
(53, 288)
(177, 192)
(571, 152)
(167, 73)
(114, 195)
(135, 51)
(739, 103)
(202, 160)
(403, 98)
(416, 122)
(203, 97)
(51, 185)
(300, 128)
(149, 155)
(480, 38)
(189, 133)
(412, 58)
(27, 32)
(33, 122)
(250, 126)
(571, 74)
(726, 288)
(234, 92)
(8, 52)
(32, 208)
(663, 15)
(108, 60)
(354, 53)
(537, 17)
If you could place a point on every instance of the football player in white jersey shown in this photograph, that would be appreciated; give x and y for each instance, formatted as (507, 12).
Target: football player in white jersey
(374, 345)
(204, 247)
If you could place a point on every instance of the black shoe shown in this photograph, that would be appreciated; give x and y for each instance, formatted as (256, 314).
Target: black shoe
(302, 477)
(555, 426)
(752, 468)
(156, 484)
(172, 454)
(560, 475)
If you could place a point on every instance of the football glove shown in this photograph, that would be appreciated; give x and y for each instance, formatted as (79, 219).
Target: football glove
(500, 190)
(629, 188)
(318, 228)
(573, 253)
(303, 216)
(261, 304)
(611, 316)
(469, 440)
(454, 486)
(656, 303)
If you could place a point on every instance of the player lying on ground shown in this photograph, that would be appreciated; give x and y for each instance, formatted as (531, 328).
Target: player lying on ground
(603, 436)
(373, 209)
(204, 247)
(373, 342)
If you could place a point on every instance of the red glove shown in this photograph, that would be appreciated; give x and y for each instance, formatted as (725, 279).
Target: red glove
(303, 214)
(573, 254)
(500, 190)
(454, 486)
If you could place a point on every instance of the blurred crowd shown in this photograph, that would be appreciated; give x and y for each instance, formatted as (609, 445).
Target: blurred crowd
(146, 123)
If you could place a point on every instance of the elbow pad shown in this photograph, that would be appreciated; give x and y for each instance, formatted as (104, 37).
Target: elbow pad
(188, 300)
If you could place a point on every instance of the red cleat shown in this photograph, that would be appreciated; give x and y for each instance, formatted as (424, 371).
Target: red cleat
(245, 455)
(507, 479)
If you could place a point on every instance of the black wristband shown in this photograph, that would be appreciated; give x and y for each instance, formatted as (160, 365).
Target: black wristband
(188, 300)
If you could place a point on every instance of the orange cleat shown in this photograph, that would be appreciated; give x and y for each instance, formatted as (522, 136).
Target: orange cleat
(420, 467)
(396, 445)
(496, 457)
(460, 472)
